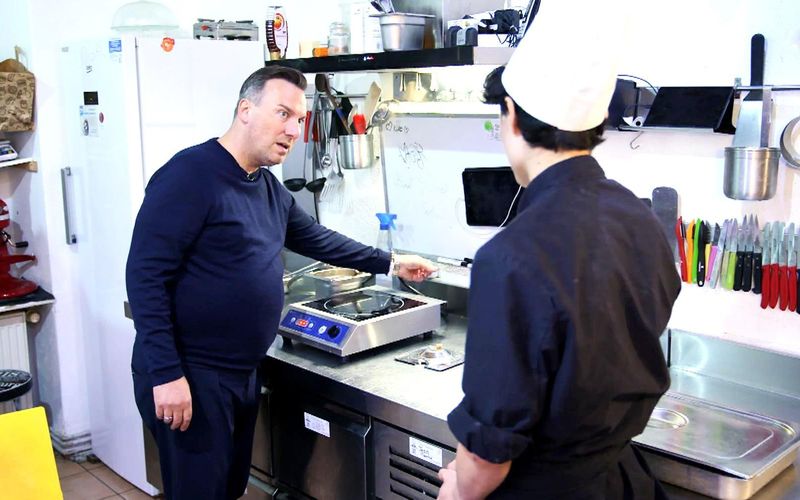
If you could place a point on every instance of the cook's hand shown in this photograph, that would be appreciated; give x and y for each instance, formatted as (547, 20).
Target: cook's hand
(173, 402)
(449, 488)
(413, 267)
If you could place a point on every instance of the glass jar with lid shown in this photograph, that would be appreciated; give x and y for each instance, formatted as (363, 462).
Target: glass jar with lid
(338, 39)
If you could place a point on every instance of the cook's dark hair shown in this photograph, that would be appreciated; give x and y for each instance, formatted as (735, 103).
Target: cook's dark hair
(536, 132)
(254, 84)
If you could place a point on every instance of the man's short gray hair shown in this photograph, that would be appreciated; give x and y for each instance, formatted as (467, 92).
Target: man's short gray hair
(254, 84)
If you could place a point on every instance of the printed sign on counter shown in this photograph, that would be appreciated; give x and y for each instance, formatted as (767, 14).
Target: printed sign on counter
(424, 451)
(320, 426)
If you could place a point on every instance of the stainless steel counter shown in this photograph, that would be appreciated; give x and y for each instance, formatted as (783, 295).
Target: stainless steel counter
(411, 397)
(418, 399)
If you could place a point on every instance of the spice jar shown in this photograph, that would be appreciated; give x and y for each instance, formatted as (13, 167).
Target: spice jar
(338, 39)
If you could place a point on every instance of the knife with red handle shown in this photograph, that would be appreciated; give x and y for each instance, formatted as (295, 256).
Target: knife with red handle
(774, 276)
(791, 269)
(783, 271)
(762, 266)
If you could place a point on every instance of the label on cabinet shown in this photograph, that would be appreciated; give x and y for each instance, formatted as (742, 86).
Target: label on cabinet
(321, 426)
(425, 451)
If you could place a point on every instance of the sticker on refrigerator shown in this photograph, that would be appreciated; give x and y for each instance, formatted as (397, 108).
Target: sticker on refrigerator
(90, 121)
(167, 44)
(424, 451)
(317, 424)
(115, 50)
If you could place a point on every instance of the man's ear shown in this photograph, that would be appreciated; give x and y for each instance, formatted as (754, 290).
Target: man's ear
(243, 110)
(511, 116)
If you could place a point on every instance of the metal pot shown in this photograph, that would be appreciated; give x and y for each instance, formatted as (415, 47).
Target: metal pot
(402, 31)
(356, 151)
(751, 173)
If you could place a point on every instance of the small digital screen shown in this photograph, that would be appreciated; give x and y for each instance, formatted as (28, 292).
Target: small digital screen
(700, 107)
(489, 194)
(90, 99)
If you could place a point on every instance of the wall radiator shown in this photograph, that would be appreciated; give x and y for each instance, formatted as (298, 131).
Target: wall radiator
(14, 353)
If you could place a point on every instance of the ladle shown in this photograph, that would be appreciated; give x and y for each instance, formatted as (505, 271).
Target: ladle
(322, 83)
(297, 183)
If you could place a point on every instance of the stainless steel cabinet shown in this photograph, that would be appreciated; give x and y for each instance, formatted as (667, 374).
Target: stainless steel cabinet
(320, 448)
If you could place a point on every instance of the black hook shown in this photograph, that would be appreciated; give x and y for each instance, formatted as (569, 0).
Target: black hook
(636, 139)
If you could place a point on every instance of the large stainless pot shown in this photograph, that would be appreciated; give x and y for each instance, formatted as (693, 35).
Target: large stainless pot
(751, 173)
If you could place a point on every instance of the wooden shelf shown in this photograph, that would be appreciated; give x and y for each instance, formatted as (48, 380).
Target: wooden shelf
(28, 164)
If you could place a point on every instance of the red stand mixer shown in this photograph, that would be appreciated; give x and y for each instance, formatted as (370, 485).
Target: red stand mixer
(10, 286)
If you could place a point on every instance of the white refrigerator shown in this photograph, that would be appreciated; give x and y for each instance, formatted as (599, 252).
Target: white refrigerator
(129, 105)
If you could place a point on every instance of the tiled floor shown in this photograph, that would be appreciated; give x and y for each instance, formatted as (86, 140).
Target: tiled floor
(93, 481)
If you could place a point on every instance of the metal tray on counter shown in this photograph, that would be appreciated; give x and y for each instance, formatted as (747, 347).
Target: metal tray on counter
(713, 450)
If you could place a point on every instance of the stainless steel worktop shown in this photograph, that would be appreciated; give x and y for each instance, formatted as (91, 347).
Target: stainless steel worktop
(396, 392)
(418, 399)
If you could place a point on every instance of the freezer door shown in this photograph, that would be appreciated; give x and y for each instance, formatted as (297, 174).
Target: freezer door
(189, 94)
(101, 126)
(128, 109)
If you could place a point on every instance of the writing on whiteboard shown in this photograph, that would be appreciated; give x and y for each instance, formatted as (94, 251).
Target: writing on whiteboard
(391, 127)
(492, 129)
(413, 154)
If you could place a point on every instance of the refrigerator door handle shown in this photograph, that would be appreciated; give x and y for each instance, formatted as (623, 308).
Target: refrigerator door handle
(66, 173)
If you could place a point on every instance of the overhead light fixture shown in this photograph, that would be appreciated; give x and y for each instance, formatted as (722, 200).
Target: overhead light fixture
(144, 15)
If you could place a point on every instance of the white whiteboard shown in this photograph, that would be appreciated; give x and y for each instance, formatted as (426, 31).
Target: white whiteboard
(424, 156)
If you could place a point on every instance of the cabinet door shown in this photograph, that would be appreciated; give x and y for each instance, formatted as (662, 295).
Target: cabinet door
(262, 439)
(320, 448)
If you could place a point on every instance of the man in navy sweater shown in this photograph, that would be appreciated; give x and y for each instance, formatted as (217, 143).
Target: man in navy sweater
(204, 280)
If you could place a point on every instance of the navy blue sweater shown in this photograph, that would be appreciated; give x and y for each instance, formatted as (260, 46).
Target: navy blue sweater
(204, 269)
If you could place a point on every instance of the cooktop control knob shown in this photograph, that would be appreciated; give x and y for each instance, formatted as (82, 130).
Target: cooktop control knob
(333, 331)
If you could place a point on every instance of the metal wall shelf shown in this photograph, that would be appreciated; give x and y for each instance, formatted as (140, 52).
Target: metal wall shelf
(408, 59)
(28, 164)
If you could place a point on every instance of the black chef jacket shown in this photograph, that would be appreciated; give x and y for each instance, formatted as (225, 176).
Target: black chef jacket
(563, 363)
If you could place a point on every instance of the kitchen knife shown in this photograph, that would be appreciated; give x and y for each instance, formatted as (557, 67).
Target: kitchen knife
(774, 280)
(766, 268)
(730, 255)
(698, 238)
(759, 252)
(679, 237)
(783, 268)
(712, 254)
(717, 264)
(701, 258)
(690, 252)
(747, 268)
(741, 245)
(797, 257)
(791, 265)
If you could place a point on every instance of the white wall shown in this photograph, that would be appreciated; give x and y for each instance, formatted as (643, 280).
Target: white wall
(678, 43)
(708, 43)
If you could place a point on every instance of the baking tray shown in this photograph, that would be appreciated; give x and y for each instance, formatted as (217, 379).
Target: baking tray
(714, 450)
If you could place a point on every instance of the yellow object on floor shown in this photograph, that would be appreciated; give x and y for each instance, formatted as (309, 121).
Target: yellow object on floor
(27, 464)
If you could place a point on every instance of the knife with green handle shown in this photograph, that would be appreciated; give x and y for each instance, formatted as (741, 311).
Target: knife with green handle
(730, 254)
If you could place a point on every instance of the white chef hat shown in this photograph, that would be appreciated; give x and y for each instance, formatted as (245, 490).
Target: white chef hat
(564, 70)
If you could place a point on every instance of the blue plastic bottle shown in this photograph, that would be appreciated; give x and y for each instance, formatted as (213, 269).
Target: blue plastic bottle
(385, 243)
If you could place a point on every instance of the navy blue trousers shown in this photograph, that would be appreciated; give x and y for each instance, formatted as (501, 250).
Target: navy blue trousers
(211, 459)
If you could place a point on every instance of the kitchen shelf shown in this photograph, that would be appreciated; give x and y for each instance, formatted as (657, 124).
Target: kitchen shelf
(38, 297)
(396, 60)
(28, 164)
